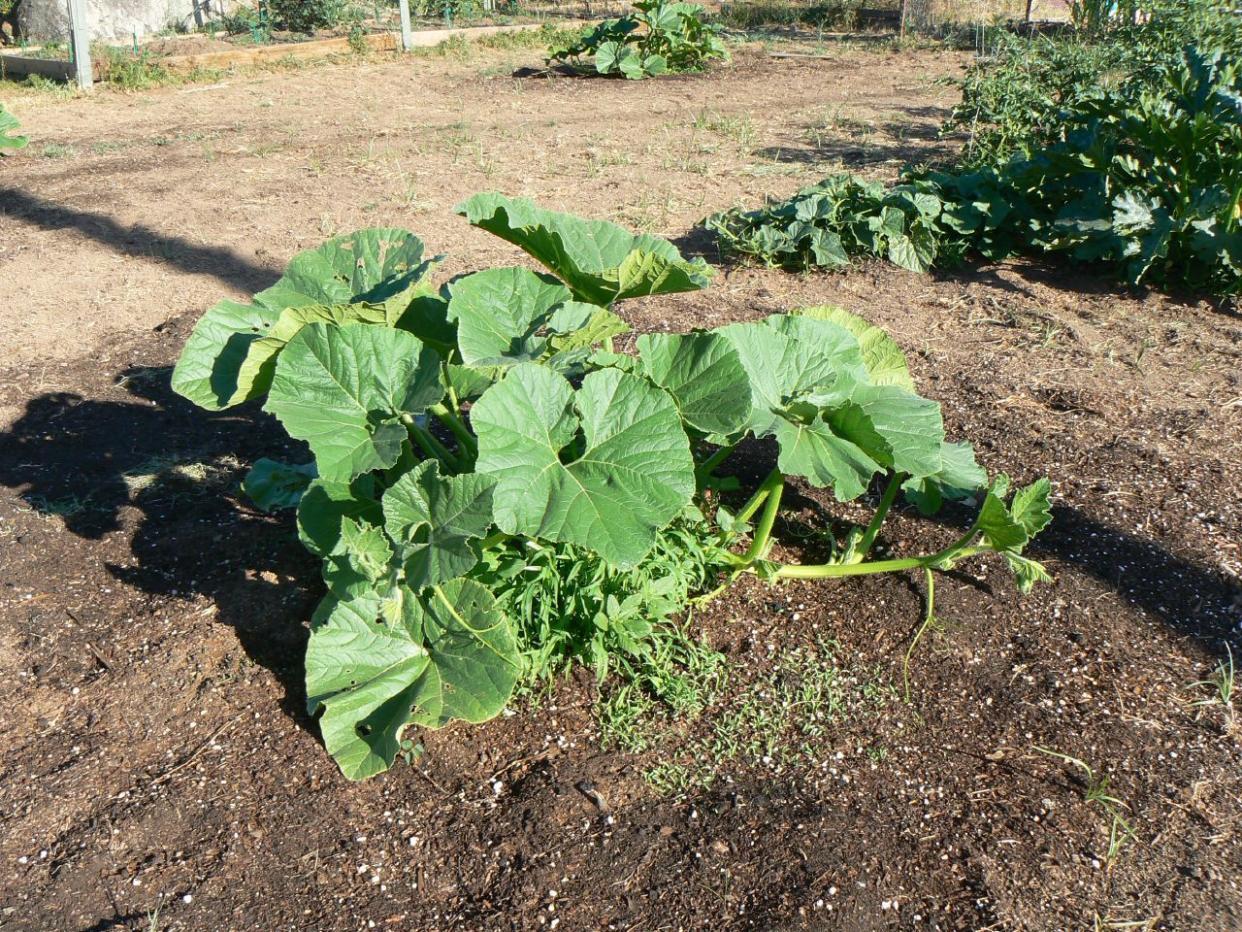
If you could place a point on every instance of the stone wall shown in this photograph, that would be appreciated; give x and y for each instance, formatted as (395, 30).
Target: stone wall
(48, 20)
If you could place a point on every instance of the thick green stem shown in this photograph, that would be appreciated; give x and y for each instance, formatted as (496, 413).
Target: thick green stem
(449, 419)
(881, 512)
(773, 480)
(958, 550)
(491, 540)
(428, 443)
(773, 487)
(709, 465)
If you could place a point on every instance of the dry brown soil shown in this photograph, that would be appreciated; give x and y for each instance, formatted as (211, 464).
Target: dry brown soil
(156, 768)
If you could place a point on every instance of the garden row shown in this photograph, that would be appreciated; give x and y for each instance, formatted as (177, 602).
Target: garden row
(1121, 145)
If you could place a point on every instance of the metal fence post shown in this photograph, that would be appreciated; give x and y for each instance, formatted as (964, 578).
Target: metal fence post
(80, 32)
(407, 33)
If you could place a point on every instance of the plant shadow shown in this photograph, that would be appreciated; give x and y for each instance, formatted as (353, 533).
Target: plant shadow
(170, 471)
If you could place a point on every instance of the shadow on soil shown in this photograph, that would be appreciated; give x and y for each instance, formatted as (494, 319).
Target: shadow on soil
(89, 461)
(178, 467)
(138, 241)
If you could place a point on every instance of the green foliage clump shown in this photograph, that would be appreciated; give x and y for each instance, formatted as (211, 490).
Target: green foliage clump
(307, 15)
(927, 221)
(8, 123)
(496, 492)
(1013, 101)
(659, 37)
(1146, 178)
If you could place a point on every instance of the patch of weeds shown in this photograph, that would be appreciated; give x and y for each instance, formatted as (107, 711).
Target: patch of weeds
(135, 72)
(1221, 685)
(775, 723)
(598, 160)
(546, 36)
(1096, 789)
(56, 150)
(455, 47)
(58, 89)
(68, 506)
(741, 129)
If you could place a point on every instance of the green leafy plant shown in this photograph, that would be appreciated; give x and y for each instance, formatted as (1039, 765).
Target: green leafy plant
(658, 37)
(1146, 178)
(306, 15)
(496, 490)
(1014, 100)
(927, 221)
(8, 142)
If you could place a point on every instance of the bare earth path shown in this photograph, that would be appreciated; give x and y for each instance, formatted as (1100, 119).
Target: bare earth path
(154, 756)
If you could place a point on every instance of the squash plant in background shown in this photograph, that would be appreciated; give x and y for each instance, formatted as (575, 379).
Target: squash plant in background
(8, 123)
(472, 437)
(657, 38)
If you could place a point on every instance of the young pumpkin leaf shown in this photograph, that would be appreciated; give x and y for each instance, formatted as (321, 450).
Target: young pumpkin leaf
(345, 391)
(599, 261)
(1026, 572)
(604, 467)
(1010, 527)
(436, 520)
(449, 655)
(704, 374)
(325, 505)
(274, 486)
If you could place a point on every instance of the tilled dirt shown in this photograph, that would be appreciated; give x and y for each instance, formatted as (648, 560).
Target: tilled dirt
(157, 769)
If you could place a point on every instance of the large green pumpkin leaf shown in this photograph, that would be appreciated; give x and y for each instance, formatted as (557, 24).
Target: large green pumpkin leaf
(450, 654)
(787, 357)
(369, 265)
(345, 390)
(600, 262)
(500, 314)
(899, 429)
(435, 520)
(627, 471)
(704, 374)
(814, 451)
(812, 390)
(230, 356)
(208, 371)
(885, 362)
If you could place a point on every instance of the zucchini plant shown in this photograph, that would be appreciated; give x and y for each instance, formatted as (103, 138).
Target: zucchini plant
(660, 36)
(467, 434)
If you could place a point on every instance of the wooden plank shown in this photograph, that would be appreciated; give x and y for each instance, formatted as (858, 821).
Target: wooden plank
(15, 66)
(80, 36)
(322, 48)
(62, 70)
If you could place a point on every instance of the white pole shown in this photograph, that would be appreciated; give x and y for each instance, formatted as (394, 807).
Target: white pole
(407, 34)
(80, 31)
